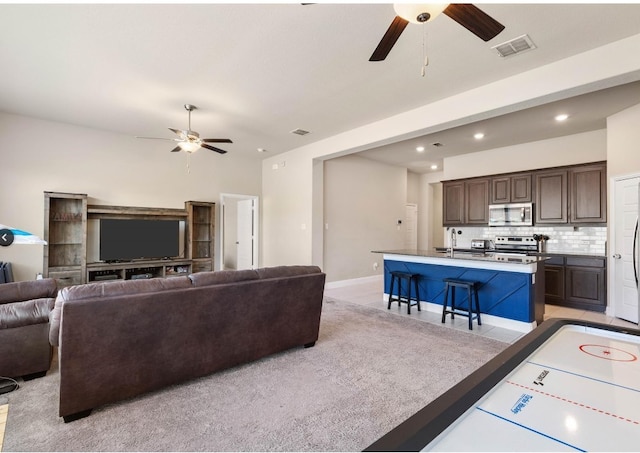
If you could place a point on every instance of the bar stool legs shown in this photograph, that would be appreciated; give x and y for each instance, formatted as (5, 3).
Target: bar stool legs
(473, 307)
(410, 280)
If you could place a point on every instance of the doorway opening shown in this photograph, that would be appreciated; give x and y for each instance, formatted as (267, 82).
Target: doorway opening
(239, 231)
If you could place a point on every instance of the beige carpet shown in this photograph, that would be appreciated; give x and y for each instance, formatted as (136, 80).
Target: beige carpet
(369, 371)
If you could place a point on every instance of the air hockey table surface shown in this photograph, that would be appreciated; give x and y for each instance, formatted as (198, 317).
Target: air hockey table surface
(569, 385)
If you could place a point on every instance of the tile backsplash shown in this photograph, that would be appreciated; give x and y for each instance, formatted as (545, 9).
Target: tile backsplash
(569, 239)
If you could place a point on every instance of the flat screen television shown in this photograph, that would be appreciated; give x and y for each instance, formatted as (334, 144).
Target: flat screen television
(131, 239)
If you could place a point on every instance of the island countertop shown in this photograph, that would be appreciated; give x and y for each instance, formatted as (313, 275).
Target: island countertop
(498, 261)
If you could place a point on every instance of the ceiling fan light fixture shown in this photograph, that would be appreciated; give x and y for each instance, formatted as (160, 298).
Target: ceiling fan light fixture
(189, 147)
(419, 12)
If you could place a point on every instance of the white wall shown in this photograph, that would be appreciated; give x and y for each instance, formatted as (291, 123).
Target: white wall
(555, 152)
(366, 219)
(289, 195)
(113, 169)
(623, 143)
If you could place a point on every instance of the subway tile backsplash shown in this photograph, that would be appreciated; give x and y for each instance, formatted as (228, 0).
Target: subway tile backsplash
(569, 239)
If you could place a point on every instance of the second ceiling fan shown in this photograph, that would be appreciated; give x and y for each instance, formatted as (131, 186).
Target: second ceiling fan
(469, 16)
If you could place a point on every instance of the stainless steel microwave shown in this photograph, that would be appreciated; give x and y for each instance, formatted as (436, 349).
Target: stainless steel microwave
(512, 214)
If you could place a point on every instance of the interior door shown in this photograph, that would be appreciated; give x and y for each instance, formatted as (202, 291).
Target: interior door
(624, 275)
(245, 235)
(411, 227)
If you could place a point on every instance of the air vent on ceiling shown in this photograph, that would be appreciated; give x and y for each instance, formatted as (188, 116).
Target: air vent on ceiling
(299, 132)
(515, 46)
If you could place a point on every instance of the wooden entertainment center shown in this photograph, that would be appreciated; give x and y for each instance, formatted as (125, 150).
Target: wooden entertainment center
(66, 217)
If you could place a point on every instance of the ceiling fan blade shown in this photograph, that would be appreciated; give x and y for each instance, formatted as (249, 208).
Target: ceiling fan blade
(181, 134)
(176, 149)
(213, 148)
(389, 39)
(475, 20)
(159, 138)
(216, 140)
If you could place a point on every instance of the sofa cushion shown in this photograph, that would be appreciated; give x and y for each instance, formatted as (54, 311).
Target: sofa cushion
(287, 271)
(222, 277)
(25, 313)
(21, 291)
(122, 287)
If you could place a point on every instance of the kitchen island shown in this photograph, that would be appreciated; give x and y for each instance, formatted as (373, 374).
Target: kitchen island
(511, 290)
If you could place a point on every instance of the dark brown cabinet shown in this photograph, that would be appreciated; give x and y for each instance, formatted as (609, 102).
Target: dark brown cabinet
(453, 203)
(476, 201)
(465, 202)
(551, 197)
(554, 280)
(576, 282)
(511, 189)
(588, 201)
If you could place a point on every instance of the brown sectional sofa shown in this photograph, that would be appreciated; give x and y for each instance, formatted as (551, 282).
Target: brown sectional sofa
(120, 339)
(24, 328)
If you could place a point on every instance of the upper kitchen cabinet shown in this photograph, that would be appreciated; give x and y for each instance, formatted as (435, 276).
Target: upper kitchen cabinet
(572, 195)
(511, 189)
(588, 199)
(476, 203)
(465, 202)
(551, 197)
(453, 203)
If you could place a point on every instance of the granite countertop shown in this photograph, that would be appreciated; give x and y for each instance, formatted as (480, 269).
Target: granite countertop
(467, 254)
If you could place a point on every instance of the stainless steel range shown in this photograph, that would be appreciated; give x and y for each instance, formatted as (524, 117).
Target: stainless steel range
(515, 244)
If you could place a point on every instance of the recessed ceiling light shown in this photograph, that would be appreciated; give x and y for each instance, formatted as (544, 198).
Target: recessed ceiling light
(434, 167)
(478, 136)
(262, 150)
(562, 117)
(420, 149)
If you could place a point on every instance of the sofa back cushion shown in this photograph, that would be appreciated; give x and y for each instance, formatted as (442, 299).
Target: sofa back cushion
(25, 313)
(21, 291)
(222, 277)
(287, 271)
(122, 287)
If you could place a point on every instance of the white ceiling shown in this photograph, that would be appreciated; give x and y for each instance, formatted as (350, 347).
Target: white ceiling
(258, 71)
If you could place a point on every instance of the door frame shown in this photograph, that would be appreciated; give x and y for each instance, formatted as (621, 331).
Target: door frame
(610, 249)
(226, 198)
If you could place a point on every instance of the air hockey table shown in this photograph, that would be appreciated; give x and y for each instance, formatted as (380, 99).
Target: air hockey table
(569, 385)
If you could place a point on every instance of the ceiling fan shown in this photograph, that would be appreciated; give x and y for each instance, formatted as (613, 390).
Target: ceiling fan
(190, 141)
(469, 16)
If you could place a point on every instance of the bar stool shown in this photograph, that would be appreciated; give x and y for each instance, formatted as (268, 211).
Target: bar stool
(397, 276)
(472, 293)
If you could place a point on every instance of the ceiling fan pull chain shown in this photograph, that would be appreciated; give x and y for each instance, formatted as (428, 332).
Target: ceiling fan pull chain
(425, 57)
(189, 161)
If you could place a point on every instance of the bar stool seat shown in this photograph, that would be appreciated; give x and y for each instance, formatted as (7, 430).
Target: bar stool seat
(409, 279)
(472, 295)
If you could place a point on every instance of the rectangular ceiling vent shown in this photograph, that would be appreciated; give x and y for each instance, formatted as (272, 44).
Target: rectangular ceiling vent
(515, 46)
(299, 132)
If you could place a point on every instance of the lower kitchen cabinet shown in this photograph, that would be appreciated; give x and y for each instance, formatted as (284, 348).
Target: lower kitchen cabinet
(576, 282)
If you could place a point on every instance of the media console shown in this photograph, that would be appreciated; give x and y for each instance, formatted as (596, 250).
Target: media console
(137, 269)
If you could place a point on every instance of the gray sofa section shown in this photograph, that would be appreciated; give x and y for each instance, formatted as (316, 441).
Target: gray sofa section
(24, 327)
(121, 339)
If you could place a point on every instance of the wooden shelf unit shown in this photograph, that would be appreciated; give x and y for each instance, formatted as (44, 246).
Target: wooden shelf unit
(65, 230)
(200, 234)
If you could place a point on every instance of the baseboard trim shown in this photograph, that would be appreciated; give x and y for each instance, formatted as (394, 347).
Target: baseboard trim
(354, 281)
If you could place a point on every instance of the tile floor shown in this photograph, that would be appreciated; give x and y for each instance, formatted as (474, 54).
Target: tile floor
(369, 293)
